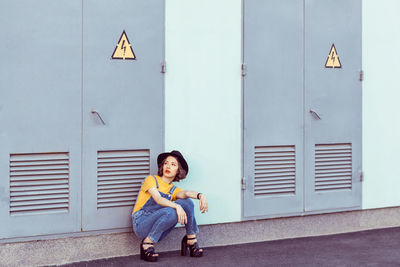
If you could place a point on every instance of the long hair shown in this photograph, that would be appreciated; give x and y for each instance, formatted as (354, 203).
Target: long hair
(180, 174)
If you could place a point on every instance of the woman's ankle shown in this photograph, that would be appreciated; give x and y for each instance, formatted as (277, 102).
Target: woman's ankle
(191, 239)
(147, 242)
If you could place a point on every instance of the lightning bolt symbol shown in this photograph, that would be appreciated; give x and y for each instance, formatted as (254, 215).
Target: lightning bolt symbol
(333, 57)
(123, 46)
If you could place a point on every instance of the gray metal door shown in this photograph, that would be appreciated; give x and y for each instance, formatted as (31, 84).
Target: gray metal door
(333, 104)
(302, 136)
(123, 103)
(273, 107)
(40, 117)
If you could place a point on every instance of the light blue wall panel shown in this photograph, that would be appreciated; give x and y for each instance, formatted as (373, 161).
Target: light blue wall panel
(203, 100)
(381, 130)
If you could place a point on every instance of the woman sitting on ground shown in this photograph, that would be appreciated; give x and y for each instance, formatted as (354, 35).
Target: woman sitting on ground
(160, 206)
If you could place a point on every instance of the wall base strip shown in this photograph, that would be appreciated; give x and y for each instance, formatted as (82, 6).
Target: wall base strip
(85, 248)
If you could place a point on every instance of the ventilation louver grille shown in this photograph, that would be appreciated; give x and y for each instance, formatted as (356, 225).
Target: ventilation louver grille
(333, 167)
(274, 171)
(39, 183)
(119, 176)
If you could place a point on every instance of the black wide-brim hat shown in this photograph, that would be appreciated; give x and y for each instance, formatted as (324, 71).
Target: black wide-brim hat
(176, 154)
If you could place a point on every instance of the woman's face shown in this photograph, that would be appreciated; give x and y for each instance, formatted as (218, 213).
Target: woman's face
(170, 167)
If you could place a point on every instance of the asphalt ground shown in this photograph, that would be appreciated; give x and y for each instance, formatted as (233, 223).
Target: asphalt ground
(379, 247)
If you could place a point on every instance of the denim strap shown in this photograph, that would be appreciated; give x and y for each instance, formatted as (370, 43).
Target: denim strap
(156, 181)
(171, 191)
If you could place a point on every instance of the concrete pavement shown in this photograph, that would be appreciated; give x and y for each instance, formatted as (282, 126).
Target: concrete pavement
(379, 247)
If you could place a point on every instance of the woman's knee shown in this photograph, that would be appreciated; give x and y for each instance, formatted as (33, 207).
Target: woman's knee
(170, 215)
(187, 204)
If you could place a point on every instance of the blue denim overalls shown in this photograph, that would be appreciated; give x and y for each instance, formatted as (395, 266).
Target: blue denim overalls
(156, 221)
(151, 205)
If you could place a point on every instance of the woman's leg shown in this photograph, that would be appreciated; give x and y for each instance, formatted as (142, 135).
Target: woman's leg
(188, 206)
(191, 227)
(157, 224)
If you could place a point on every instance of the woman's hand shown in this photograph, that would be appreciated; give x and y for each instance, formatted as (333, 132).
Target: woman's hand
(182, 219)
(203, 203)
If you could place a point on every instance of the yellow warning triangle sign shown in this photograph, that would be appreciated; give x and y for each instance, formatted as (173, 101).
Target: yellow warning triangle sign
(333, 60)
(123, 50)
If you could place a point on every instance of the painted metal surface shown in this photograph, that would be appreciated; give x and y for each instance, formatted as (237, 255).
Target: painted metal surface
(129, 97)
(302, 107)
(66, 102)
(333, 142)
(40, 117)
(273, 107)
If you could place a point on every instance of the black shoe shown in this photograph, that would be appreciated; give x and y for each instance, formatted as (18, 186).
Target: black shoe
(147, 254)
(194, 249)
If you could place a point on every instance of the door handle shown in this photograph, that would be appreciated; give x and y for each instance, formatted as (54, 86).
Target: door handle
(315, 114)
(94, 112)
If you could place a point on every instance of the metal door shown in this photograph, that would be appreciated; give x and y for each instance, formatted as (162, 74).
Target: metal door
(333, 104)
(40, 117)
(123, 103)
(273, 107)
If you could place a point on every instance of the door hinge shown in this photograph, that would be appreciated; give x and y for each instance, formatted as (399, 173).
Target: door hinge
(361, 176)
(243, 69)
(163, 67)
(361, 75)
(243, 183)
